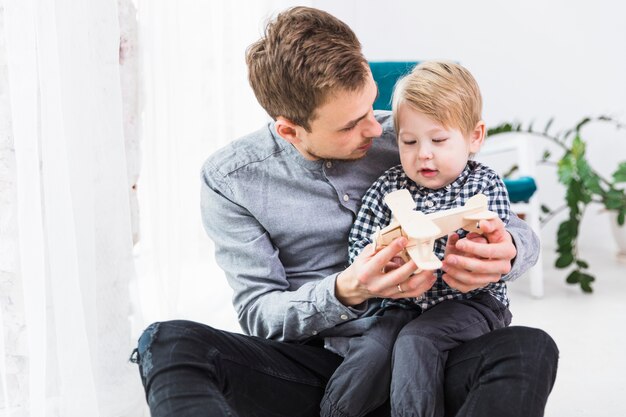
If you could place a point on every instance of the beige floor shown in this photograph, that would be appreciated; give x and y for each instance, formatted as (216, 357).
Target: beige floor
(590, 331)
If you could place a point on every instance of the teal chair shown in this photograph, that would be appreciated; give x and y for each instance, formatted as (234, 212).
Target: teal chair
(520, 189)
(386, 74)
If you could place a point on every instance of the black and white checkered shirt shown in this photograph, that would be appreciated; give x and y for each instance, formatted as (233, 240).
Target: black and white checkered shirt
(475, 178)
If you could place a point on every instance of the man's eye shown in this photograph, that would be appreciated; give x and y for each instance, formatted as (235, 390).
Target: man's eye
(349, 128)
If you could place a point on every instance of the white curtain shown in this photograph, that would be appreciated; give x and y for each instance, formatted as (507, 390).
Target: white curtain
(67, 263)
(196, 98)
(65, 327)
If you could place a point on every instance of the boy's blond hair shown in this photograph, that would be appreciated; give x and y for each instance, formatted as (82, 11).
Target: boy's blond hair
(305, 56)
(442, 90)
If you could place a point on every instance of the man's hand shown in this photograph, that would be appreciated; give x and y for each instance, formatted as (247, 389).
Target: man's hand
(478, 260)
(378, 274)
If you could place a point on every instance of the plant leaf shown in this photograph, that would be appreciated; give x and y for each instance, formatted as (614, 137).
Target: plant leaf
(620, 174)
(564, 260)
(546, 155)
(511, 171)
(564, 244)
(565, 170)
(547, 128)
(582, 123)
(573, 277)
(568, 230)
(578, 147)
(585, 282)
(573, 195)
(564, 232)
(582, 264)
(504, 128)
(590, 179)
(615, 199)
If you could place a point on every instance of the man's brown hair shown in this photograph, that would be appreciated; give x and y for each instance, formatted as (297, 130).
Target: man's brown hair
(305, 56)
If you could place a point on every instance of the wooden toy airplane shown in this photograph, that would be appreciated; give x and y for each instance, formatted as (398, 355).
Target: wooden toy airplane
(423, 229)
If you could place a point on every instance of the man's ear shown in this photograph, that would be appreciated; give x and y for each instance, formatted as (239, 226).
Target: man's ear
(287, 130)
(477, 137)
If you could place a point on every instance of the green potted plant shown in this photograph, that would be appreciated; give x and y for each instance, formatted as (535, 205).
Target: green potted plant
(583, 186)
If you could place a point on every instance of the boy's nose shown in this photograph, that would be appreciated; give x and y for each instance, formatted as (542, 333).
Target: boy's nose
(425, 153)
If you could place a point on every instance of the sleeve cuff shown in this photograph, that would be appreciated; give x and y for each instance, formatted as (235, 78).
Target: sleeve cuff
(333, 310)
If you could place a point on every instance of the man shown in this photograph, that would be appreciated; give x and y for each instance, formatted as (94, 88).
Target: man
(278, 204)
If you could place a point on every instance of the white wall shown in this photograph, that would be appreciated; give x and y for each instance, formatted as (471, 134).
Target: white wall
(534, 60)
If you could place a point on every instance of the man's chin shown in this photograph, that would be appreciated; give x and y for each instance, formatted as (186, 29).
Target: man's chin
(354, 157)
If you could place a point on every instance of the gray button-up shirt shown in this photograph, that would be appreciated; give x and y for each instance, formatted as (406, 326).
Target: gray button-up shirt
(280, 226)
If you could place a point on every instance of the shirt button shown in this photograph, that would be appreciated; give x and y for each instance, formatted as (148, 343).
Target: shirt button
(344, 317)
(346, 198)
(314, 332)
(329, 164)
(429, 204)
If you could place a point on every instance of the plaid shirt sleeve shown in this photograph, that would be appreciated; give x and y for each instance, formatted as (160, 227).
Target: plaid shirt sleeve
(373, 214)
(495, 190)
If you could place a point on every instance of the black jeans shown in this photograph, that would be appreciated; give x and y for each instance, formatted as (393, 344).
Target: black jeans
(407, 348)
(189, 369)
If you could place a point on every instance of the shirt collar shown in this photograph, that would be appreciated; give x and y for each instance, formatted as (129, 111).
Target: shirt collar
(461, 179)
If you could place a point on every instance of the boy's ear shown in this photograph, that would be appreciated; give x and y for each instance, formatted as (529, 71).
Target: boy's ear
(477, 136)
(287, 130)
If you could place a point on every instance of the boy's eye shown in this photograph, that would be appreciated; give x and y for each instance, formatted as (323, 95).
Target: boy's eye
(439, 140)
(409, 142)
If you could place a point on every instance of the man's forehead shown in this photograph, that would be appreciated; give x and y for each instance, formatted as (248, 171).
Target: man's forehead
(343, 107)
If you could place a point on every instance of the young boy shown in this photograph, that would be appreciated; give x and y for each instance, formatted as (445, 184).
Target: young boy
(437, 116)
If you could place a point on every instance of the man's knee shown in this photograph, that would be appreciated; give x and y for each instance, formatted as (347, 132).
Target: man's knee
(169, 341)
(541, 338)
(525, 352)
(531, 343)
(538, 350)
(142, 354)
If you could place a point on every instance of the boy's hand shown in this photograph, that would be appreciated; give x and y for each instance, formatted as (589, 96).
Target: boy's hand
(379, 274)
(478, 260)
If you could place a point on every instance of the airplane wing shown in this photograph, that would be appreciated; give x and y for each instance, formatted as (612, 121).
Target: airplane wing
(423, 256)
(480, 215)
(477, 210)
(414, 223)
(476, 201)
(417, 226)
(400, 201)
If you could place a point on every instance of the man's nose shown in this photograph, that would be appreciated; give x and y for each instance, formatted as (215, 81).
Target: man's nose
(373, 129)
